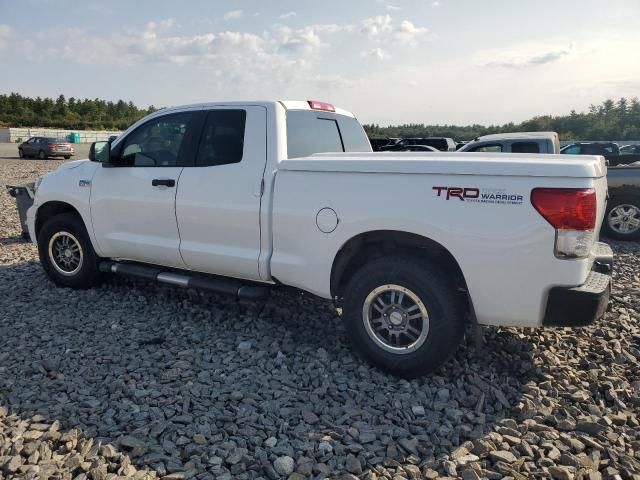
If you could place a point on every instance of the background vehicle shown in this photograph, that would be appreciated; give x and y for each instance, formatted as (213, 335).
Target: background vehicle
(439, 143)
(45, 147)
(233, 197)
(418, 148)
(378, 144)
(622, 218)
(630, 150)
(608, 150)
(519, 142)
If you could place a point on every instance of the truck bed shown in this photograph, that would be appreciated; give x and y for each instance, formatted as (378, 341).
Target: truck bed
(501, 164)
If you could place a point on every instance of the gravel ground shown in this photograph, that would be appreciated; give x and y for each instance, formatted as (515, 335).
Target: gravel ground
(137, 380)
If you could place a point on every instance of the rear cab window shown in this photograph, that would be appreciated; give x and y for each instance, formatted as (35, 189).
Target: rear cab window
(310, 131)
(525, 147)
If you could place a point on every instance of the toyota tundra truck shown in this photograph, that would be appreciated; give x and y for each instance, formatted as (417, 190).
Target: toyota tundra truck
(244, 197)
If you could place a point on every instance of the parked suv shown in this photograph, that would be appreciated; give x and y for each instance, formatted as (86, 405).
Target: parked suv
(45, 147)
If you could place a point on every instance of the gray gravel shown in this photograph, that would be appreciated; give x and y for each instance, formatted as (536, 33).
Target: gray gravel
(135, 380)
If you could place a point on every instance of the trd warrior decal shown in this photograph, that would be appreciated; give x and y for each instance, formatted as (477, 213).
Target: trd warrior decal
(479, 195)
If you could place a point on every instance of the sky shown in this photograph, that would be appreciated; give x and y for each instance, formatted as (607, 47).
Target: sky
(389, 62)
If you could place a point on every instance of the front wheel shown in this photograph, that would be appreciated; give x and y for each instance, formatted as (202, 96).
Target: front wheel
(622, 218)
(66, 252)
(67, 157)
(403, 315)
(20, 153)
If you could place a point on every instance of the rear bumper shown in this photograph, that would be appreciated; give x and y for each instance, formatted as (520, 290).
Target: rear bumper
(60, 153)
(582, 305)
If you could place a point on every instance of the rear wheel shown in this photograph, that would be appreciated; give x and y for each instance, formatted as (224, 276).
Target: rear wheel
(622, 218)
(67, 157)
(66, 252)
(403, 315)
(42, 155)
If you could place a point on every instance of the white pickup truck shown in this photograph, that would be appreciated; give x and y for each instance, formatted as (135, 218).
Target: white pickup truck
(237, 198)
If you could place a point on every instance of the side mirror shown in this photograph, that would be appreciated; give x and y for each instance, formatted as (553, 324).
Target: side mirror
(100, 152)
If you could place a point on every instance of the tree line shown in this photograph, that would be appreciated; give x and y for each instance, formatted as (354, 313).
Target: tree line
(73, 113)
(610, 120)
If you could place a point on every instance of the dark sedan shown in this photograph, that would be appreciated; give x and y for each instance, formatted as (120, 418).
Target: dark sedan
(45, 147)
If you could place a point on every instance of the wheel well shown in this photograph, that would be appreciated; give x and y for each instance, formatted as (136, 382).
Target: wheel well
(51, 209)
(366, 246)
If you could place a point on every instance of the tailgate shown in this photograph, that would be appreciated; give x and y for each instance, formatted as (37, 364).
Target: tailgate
(602, 195)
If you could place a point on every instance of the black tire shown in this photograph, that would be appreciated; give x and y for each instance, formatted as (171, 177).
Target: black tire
(436, 292)
(615, 206)
(68, 225)
(67, 157)
(20, 153)
(42, 155)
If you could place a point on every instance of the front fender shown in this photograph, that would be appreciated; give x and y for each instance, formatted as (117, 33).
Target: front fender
(70, 184)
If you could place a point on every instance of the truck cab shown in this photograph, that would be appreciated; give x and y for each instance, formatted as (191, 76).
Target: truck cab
(520, 142)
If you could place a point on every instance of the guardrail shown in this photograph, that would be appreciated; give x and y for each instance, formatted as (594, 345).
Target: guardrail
(16, 135)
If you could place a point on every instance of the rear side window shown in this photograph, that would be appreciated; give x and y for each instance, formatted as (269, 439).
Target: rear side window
(310, 132)
(222, 140)
(525, 147)
(353, 136)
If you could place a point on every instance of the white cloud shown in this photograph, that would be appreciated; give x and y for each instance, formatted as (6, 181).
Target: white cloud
(524, 56)
(287, 15)
(393, 8)
(383, 29)
(5, 33)
(407, 32)
(435, 4)
(304, 40)
(162, 25)
(233, 15)
(377, 53)
(376, 26)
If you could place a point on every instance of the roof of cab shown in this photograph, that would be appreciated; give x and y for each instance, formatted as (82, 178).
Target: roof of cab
(287, 104)
(513, 135)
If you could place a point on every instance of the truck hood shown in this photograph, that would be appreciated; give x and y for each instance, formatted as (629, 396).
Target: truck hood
(72, 164)
(454, 163)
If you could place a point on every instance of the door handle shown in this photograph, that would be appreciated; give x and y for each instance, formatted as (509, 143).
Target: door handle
(165, 182)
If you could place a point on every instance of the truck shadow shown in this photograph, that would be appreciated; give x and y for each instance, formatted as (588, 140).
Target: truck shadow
(195, 379)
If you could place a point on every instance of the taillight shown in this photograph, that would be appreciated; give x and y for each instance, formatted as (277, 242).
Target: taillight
(572, 212)
(327, 107)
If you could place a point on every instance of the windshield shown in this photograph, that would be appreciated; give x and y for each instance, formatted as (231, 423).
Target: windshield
(310, 131)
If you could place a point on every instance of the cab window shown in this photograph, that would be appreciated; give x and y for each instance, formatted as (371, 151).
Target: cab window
(489, 148)
(572, 150)
(157, 143)
(222, 140)
(525, 147)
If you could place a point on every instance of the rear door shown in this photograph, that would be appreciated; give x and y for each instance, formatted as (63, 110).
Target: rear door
(218, 197)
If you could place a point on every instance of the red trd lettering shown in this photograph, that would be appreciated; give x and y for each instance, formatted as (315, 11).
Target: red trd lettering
(471, 193)
(455, 192)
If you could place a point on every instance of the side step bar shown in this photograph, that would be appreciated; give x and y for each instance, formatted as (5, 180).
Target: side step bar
(227, 286)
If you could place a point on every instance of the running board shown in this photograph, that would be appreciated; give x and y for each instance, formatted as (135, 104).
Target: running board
(227, 286)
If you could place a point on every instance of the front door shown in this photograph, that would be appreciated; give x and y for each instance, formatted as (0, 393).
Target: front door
(218, 198)
(133, 204)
